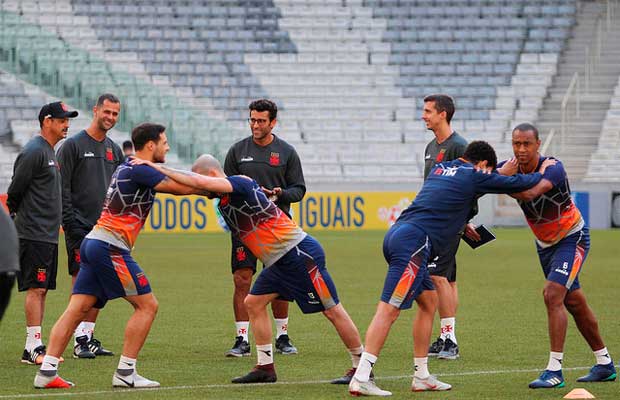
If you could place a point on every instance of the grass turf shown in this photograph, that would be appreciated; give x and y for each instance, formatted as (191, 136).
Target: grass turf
(501, 325)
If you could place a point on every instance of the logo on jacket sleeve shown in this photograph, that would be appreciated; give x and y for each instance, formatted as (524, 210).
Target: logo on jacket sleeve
(274, 159)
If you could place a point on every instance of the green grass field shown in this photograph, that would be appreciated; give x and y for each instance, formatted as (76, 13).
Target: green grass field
(501, 325)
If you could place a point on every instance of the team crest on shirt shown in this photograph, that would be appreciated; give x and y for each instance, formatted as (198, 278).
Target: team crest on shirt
(240, 253)
(109, 155)
(224, 200)
(274, 159)
(439, 158)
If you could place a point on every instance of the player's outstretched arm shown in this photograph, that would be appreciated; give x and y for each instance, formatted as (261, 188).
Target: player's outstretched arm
(541, 187)
(199, 182)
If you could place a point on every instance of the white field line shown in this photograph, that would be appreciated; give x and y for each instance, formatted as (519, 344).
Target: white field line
(71, 392)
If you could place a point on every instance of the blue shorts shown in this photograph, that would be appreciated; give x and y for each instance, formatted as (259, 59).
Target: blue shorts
(300, 276)
(108, 272)
(562, 262)
(406, 248)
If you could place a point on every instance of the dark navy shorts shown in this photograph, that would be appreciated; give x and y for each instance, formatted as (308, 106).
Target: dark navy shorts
(406, 248)
(300, 276)
(443, 258)
(108, 272)
(562, 262)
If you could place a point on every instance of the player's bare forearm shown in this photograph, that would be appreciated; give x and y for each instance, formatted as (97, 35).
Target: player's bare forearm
(205, 184)
(530, 194)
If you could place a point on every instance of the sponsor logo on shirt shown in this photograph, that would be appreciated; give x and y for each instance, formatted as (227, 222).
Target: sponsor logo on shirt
(451, 171)
(428, 157)
(89, 154)
(51, 163)
(246, 159)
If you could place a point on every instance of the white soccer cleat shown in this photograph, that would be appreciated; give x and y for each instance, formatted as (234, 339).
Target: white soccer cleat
(429, 384)
(132, 381)
(370, 388)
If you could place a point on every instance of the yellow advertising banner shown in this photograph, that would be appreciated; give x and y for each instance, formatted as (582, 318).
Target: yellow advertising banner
(317, 211)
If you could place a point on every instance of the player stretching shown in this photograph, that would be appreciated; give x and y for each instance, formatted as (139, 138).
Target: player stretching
(107, 270)
(294, 261)
(437, 213)
(562, 242)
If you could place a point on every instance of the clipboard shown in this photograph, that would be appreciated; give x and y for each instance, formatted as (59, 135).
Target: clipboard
(486, 236)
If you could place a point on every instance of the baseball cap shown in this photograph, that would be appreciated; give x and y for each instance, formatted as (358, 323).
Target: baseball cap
(56, 110)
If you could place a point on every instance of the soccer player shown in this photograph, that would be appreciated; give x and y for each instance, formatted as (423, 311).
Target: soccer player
(88, 160)
(438, 211)
(294, 261)
(108, 271)
(275, 165)
(562, 242)
(34, 200)
(447, 145)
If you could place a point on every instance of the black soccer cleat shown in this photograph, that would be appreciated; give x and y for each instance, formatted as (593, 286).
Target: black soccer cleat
(241, 348)
(96, 347)
(260, 374)
(450, 350)
(436, 347)
(81, 349)
(284, 345)
(346, 378)
(34, 357)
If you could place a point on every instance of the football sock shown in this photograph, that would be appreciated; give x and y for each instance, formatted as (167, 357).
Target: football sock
(33, 337)
(50, 363)
(79, 331)
(281, 326)
(356, 354)
(265, 353)
(126, 365)
(448, 329)
(243, 329)
(602, 356)
(367, 361)
(420, 366)
(89, 329)
(555, 361)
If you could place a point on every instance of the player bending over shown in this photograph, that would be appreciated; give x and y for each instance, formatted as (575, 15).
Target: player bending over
(294, 261)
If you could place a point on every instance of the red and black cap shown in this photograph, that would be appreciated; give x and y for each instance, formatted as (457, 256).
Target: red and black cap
(56, 110)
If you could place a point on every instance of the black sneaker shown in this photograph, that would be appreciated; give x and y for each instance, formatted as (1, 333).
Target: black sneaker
(241, 348)
(81, 349)
(34, 357)
(436, 347)
(96, 347)
(284, 345)
(346, 379)
(450, 350)
(260, 374)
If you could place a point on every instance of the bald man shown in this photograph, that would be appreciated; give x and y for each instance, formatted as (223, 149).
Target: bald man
(294, 261)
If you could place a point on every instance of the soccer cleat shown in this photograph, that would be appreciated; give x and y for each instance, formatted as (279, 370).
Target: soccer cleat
(241, 348)
(435, 348)
(81, 349)
(51, 382)
(284, 345)
(429, 384)
(346, 378)
(370, 388)
(450, 350)
(548, 379)
(260, 374)
(34, 357)
(96, 347)
(132, 381)
(600, 373)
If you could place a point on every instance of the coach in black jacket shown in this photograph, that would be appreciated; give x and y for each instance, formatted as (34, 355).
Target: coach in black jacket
(275, 165)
